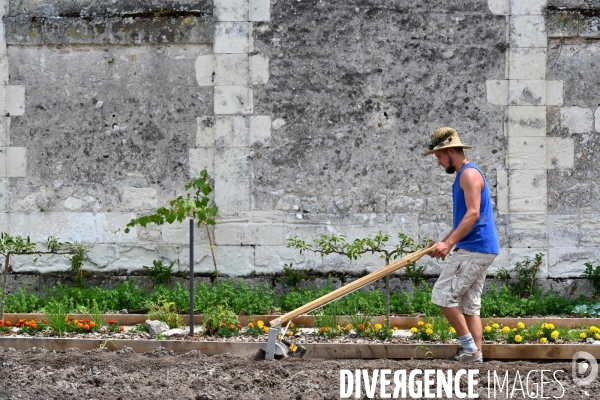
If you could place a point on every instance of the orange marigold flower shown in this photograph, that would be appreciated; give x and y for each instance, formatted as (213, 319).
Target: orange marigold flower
(92, 324)
(322, 329)
(86, 327)
(122, 328)
(231, 327)
(79, 325)
(239, 326)
(27, 323)
(1, 323)
(361, 327)
(7, 323)
(223, 325)
(111, 321)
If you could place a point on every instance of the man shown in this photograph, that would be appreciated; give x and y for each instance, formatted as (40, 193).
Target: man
(458, 289)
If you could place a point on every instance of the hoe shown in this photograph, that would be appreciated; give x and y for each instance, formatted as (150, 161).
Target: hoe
(277, 345)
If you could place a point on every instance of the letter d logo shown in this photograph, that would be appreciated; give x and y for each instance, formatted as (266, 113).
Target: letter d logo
(593, 373)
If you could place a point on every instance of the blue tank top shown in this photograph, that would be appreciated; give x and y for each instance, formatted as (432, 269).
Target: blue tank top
(482, 238)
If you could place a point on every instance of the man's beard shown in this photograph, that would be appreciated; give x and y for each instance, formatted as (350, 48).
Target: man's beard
(451, 169)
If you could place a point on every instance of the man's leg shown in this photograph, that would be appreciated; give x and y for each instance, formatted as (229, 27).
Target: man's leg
(474, 324)
(457, 319)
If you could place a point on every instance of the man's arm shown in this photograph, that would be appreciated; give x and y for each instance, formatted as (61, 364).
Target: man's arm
(471, 183)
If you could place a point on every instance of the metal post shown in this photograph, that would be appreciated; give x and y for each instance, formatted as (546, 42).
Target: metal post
(191, 277)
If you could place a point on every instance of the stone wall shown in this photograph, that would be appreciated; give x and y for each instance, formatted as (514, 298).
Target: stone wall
(310, 116)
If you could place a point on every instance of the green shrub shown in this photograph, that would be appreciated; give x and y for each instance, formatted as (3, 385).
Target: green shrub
(22, 302)
(159, 273)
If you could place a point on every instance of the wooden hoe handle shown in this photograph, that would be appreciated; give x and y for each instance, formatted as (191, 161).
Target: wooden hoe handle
(352, 286)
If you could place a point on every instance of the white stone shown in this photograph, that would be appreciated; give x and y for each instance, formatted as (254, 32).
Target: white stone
(205, 70)
(231, 69)
(66, 226)
(589, 229)
(497, 92)
(179, 233)
(568, 262)
(528, 31)
(527, 192)
(528, 7)
(73, 203)
(233, 194)
(205, 132)
(260, 10)
(202, 158)
(231, 37)
(554, 93)
(526, 153)
(232, 131)
(528, 230)
(563, 231)
(527, 93)
(521, 254)
(4, 221)
(231, 260)
(577, 119)
(4, 199)
(526, 121)
(110, 228)
(233, 100)
(597, 117)
(3, 167)
(502, 191)
(499, 7)
(15, 99)
(16, 162)
(260, 130)
(4, 131)
(18, 224)
(259, 69)
(3, 69)
(45, 263)
(560, 153)
(527, 63)
(250, 228)
(502, 260)
(233, 162)
(138, 199)
(231, 10)
(100, 256)
(270, 259)
(133, 258)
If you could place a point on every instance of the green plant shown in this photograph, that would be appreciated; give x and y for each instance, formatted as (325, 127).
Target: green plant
(216, 316)
(326, 324)
(56, 317)
(524, 280)
(292, 277)
(196, 204)
(584, 310)
(165, 311)
(361, 324)
(592, 274)
(159, 273)
(415, 274)
(421, 302)
(160, 336)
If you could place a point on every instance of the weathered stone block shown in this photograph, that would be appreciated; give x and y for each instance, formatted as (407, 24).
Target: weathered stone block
(3, 68)
(563, 24)
(526, 153)
(3, 202)
(502, 260)
(47, 263)
(101, 256)
(568, 262)
(16, 162)
(233, 194)
(179, 233)
(528, 31)
(590, 27)
(529, 7)
(527, 231)
(205, 132)
(231, 37)
(250, 228)
(233, 100)
(497, 92)
(233, 162)
(15, 99)
(202, 158)
(499, 7)
(526, 121)
(597, 117)
(260, 10)
(527, 63)
(502, 191)
(205, 70)
(110, 228)
(260, 130)
(4, 131)
(554, 93)
(563, 231)
(16, 223)
(80, 227)
(560, 153)
(231, 260)
(133, 258)
(521, 254)
(138, 199)
(589, 223)
(270, 259)
(231, 10)
(3, 167)
(527, 192)
(259, 69)
(231, 69)
(577, 119)
(232, 131)
(527, 93)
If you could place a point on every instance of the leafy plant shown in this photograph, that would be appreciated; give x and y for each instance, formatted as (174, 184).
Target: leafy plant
(159, 273)
(292, 277)
(523, 280)
(416, 274)
(216, 315)
(361, 323)
(56, 317)
(196, 204)
(592, 274)
(165, 311)
(583, 310)
(326, 324)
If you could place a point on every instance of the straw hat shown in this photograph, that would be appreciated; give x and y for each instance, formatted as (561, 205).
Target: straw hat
(444, 138)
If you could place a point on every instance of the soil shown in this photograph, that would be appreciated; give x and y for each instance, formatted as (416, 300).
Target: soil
(158, 374)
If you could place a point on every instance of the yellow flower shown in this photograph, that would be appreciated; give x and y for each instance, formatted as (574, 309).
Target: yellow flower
(550, 326)
(496, 326)
(291, 324)
(348, 327)
(540, 333)
(593, 329)
(378, 327)
(543, 326)
(429, 331)
(413, 330)
(395, 328)
(260, 324)
(290, 333)
(337, 327)
(488, 328)
(451, 330)
(298, 330)
(521, 325)
(582, 335)
(543, 340)
(518, 338)
(265, 329)
(428, 326)
(597, 336)
(554, 334)
(506, 329)
(250, 325)
(420, 323)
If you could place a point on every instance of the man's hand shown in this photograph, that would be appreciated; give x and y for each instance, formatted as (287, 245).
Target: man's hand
(441, 251)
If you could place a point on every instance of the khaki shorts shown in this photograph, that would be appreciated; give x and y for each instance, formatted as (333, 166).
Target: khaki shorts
(461, 282)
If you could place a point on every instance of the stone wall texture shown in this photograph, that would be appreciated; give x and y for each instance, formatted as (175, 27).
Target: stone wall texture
(311, 117)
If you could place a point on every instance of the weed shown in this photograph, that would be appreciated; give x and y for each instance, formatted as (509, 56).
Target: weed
(524, 281)
(57, 318)
(292, 277)
(216, 315)
(415, 274)
(361, 323)
(164, 311)
(592, 274)
(159, 273)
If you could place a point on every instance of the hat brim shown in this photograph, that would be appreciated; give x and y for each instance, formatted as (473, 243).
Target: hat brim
(464, 146)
